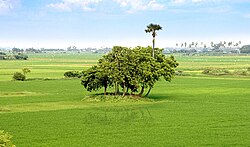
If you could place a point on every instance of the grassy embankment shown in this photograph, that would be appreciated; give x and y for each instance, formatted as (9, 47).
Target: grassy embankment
(194, 110)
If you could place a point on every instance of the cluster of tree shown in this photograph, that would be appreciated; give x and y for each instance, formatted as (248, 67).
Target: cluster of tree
(212, 48)
(19, 56)
(72, 74)
(17, 50)
(132, 69)
(245, 49)
(72, 48)
(18, 76)
(32, 50)
(212, 44)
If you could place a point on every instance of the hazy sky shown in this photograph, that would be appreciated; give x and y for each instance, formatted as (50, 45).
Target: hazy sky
(95, 23)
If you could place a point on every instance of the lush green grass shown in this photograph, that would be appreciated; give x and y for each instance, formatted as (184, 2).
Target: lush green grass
(194, 65)
(47, 65)
(190, 111)
(54, 65)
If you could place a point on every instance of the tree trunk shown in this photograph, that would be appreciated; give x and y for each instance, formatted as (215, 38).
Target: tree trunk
(105, 90)
(131, 92)
(153, 49)
(124, 89)
(116, 85)
(148, 91)
(142, 91)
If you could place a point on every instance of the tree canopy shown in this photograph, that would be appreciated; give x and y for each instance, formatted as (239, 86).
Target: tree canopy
(245, 49)
(130, 69)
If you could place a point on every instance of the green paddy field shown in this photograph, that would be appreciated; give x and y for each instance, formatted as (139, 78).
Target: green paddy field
(192, 110)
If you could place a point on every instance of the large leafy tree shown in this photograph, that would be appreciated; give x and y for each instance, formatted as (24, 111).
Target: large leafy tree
(152, 28)
(95, 78)
(132, 70)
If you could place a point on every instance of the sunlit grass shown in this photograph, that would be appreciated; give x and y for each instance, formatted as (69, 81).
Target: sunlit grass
(186, 112)
(194, 110)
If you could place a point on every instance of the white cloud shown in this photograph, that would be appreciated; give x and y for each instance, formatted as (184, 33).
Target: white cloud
(7, 5)
(178, 1)
(201, 6)
(69, 5)
(153, 5)
(137, 5)
(132, 6)
(194, 1)
(91, 5)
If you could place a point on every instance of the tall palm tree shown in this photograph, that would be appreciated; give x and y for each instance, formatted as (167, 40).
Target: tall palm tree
(152, 28)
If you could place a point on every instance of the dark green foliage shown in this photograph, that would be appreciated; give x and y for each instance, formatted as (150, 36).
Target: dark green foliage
(94, 79)
(19, 76)
(2, 53)
(17, 50)
(21, 57)
(152, 28)
(72, 74)
(5, 139)
(2, 56)
(130, 69)
(245, 49)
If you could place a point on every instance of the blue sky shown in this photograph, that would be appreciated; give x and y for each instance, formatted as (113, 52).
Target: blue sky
(96, 23)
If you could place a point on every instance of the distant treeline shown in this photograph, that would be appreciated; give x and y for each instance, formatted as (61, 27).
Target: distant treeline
(58, 50)
(215, 49)
(245, 49)
(19, 56)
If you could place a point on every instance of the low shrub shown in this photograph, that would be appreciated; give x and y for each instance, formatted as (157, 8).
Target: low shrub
(19, 76)
(72, 74)
(216, 72)
(181, 73)
(206, 71)
(5, 139)
(242, 73)
(248, 69)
